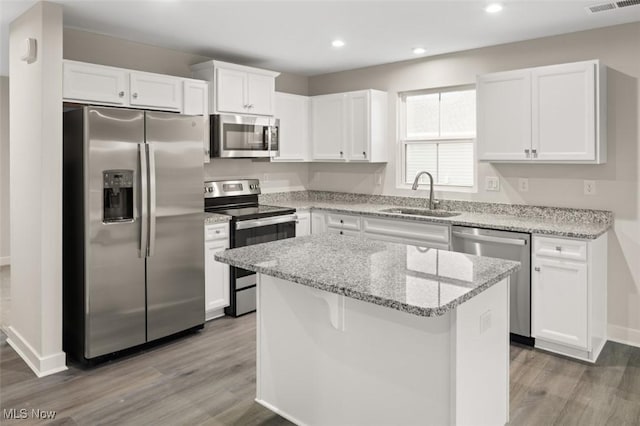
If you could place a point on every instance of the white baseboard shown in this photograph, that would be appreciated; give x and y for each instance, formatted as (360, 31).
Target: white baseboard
(628, 336)
(41, 366)
(6, 260)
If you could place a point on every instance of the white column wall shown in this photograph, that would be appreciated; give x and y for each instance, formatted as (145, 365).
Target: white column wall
(35, 329)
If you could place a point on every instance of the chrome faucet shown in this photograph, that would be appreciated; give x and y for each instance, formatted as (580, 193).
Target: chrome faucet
(416, 182)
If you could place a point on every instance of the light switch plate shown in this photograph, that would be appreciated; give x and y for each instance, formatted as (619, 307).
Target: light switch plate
(492, 183)
(378, 178)
(523, 184)
(589, 187)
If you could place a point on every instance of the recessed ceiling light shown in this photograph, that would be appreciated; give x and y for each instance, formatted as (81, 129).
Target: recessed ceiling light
(493, 8)
(419, 50)
(337, 43)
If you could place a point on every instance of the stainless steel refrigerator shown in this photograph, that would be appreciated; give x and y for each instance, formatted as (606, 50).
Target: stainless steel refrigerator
(133, 250)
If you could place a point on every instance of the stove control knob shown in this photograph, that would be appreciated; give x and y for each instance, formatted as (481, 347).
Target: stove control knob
(210, 189)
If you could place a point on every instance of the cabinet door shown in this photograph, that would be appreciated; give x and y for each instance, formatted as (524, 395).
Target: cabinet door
(328, 130)
(260, 93)
(216, 278)
(504, 116)
(359, 125)
(231, 91)
(293, 112)
(318, 222)
(94, 84)
(196, 102)
(155, 91)
(303, 225)
(559, 301)
(564, 112)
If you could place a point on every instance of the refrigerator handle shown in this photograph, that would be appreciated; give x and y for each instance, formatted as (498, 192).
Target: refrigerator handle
(144, 226)
(152, 199)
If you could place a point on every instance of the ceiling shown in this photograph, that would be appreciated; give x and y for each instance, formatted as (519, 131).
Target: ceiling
(295, 36)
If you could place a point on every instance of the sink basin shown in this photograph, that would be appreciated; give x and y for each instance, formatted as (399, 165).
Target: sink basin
(422, 212)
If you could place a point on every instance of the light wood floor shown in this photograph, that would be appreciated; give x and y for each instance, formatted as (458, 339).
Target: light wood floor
(209, 378)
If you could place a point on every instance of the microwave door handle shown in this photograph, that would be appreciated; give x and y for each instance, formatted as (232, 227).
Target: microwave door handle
(266, 137)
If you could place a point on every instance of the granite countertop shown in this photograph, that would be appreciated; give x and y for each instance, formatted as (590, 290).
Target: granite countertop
(212, 218)
(565, 226)
(419, 281)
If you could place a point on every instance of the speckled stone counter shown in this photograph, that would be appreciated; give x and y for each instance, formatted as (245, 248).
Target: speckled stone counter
(213, 218)
(573, 223)
(423, 282)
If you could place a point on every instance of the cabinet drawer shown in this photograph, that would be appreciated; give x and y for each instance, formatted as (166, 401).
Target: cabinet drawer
(343, 221)
(339, 231)
(414, 231)
(560, 248)
(216, 232)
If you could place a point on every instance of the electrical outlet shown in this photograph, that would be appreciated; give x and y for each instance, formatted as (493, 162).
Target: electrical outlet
(523, 184)
(492, 183)
(485, 321)
(589, 187)
(378, 178)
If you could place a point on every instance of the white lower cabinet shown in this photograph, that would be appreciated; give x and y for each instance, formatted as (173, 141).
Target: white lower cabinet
(343, 224)
(569, 295)
(216, 274)
(303, 224)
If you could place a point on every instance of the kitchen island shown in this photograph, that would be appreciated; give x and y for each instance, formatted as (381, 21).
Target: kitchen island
(353, 331)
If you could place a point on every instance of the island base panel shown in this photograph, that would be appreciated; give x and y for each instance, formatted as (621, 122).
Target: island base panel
(326, 359)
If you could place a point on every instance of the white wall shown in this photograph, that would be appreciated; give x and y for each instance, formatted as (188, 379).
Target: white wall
(617, 181)
(4, 171)
(35, 329)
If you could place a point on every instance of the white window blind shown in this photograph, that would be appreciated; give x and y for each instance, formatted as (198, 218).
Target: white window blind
(437, 133)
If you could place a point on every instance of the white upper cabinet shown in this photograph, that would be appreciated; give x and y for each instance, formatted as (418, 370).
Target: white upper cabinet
(350, 126)
(294, 129)
(102, 85)
(155, 91)
(329, 127)
(551, 114)
(564, 112)
(230, 90)
(237, 89)
(504, 115)
(195, 101)
(95, 83)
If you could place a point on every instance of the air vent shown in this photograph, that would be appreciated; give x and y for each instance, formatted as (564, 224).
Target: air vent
(603, 7)
(626, 3)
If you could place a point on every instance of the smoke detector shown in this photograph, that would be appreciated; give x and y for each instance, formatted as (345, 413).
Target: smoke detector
(604, 7)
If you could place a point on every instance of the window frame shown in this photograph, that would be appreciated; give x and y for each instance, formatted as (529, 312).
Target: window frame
(401, 163)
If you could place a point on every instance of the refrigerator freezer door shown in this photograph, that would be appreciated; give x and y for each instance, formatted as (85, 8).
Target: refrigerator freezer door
(115, 271)
(175, 266)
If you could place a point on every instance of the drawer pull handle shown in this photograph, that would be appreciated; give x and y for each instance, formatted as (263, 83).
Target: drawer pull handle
(341, 221)
(217, 231)
(341, 233)
(537, 269)
(558, 248)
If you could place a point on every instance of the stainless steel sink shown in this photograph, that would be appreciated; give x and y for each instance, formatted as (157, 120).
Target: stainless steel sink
(421, 212)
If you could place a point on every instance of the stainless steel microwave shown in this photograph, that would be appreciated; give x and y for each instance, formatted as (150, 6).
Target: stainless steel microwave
(241, 136)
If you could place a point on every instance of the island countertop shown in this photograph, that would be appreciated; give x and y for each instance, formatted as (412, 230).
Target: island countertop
(419, 281)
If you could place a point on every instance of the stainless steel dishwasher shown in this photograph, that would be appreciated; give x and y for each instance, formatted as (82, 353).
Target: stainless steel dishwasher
(504, 245)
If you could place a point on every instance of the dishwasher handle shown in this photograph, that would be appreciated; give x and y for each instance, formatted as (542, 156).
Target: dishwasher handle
(490, 239)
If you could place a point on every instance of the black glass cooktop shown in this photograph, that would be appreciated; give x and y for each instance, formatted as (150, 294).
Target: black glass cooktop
(253, 212)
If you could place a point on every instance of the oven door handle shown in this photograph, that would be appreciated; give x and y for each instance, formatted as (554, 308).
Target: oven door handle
(256, 223)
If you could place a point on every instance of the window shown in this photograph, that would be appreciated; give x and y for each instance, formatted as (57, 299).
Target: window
(437, 132)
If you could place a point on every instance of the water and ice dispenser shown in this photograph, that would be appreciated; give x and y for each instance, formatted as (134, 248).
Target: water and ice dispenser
(117, 203)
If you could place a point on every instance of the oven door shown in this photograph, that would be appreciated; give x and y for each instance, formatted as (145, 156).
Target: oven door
(239, 136)
(247, 233)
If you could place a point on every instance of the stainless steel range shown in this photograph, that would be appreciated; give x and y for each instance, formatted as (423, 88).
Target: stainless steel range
(251, 223)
